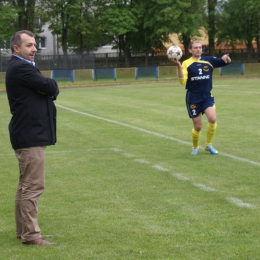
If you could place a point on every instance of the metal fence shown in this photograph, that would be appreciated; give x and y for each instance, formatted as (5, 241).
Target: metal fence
(57, 62)
(114, 60)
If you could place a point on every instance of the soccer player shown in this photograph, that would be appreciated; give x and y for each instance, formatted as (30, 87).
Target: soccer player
(196, 73)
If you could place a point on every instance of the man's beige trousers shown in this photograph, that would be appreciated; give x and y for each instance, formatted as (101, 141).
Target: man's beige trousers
(30, 187)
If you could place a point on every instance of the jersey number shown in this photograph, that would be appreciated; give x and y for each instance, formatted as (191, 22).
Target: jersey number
(200, 71)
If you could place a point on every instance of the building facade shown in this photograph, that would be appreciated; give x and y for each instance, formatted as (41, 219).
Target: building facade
(47, 44)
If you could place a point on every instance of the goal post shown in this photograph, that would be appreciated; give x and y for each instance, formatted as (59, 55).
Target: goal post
(104, 73)
(146, 72)
(232, 69)
(63, 75)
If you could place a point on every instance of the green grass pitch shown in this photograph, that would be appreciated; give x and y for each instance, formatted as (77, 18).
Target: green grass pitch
(121, 182)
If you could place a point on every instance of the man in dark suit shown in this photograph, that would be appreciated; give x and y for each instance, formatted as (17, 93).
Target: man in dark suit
(32, 128)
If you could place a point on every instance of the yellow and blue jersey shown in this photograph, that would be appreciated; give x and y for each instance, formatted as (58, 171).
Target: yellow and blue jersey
(198, 80)
(198, 73)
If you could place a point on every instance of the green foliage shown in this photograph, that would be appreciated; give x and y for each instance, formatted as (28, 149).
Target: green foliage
(118, 19)
(121, 20)
(85, 32)
(164, 17)
(74, 23)
(26, 13)
(134, 26)
(192, 18)
(146, 25)
(7, 25)
(233, 29)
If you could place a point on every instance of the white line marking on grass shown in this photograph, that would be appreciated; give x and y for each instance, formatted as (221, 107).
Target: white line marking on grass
(240, 203)
(128, 155)
(180, 177)
(7, 154)
(222, 85)
(141, 161)
(239, 158)
(115, 149)
(155, 134)
(65, 151)
(126, 125)
(77, 150)
(203, 187)
(160, 168)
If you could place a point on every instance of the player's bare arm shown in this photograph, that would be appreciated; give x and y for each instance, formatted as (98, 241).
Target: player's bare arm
(179, 68)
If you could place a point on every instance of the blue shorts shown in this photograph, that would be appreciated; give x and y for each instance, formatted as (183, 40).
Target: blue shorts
(197, 103)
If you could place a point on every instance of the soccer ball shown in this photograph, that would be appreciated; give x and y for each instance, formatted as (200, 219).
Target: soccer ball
(174, 52)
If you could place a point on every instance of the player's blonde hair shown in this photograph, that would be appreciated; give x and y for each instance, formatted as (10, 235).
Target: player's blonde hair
(192, 42)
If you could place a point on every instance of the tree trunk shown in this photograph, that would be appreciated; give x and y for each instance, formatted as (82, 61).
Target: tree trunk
(64, 41)
(81, 48)
(22, 17)
(126, 50)
(258, 48)
(25, 12)
(64, 33)
(146, 58)
(186, 43)
(127, 57)
(211, 26)
(249, 49)
(30, 14)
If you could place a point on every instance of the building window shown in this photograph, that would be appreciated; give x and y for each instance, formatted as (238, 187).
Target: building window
(41, 42)
(38, 21)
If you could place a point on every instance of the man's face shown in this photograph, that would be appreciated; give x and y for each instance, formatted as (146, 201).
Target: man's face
(196, 50)
(27, 49)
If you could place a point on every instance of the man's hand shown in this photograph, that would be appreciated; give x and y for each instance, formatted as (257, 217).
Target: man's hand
(175, 61)
(41, 92)
(226, 58)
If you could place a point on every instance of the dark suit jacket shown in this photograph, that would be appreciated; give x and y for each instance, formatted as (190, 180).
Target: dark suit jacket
(30, 97)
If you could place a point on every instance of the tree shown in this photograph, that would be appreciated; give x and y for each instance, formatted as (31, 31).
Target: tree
(211, 24)
(146, 25)
(58, 15)
(8, 25)
(160, 20)
(181, 17)
(74, 23)
(87, 33)
(25, 10)
(232, 30)
(191, 22)
(120, 19)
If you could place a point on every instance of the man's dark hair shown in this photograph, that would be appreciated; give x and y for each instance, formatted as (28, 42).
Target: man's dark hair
(16, 38)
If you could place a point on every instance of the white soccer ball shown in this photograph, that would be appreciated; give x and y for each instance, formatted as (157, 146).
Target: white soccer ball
(174, 52)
